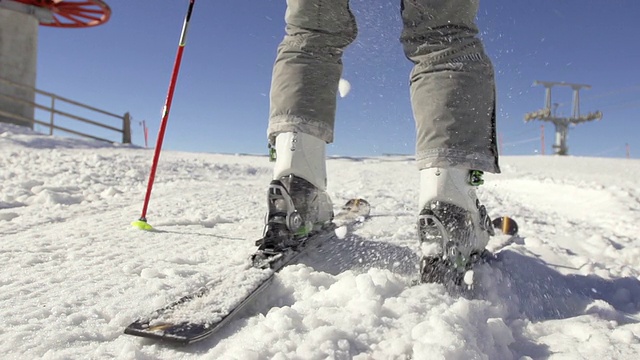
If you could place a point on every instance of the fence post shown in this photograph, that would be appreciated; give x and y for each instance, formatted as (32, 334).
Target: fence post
(126, 128)
(52, 113)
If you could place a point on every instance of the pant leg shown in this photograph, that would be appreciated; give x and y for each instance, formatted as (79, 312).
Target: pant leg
(452, 85)
(308, 67)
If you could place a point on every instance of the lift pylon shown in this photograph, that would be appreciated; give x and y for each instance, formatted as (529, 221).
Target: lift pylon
(561, 123)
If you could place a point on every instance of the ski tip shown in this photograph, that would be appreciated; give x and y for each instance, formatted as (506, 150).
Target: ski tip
(142, 225)
(507, 225)
(357, 205)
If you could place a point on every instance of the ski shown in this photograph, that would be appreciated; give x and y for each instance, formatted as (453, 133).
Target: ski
(199, 315)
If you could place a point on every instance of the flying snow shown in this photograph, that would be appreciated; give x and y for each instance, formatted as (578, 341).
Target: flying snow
(344, 87)
(75, 273)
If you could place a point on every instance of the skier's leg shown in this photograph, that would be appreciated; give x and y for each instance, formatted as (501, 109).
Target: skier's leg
(452, 85)
(303, 105)
(308, 67)
(453, 100)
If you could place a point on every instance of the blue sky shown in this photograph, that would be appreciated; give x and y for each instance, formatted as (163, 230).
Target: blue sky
(221, 101)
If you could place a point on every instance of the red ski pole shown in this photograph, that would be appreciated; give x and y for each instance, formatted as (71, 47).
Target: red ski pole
(142, 222)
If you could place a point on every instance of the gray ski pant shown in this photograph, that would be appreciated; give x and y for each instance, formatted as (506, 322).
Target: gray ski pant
(452, 84)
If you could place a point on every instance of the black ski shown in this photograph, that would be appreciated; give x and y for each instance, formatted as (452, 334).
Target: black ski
(177, 323)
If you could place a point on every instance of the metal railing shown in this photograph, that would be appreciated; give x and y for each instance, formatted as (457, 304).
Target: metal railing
(125, 130)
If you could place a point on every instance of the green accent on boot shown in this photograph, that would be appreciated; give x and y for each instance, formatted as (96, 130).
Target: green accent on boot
(475, 177)
(460, 263)
(302, 231)
(272, 153)
(306, 230)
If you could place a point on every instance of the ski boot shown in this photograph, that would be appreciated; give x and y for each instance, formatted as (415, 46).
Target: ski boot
(295, 209)
(453, 226)
(297, 201)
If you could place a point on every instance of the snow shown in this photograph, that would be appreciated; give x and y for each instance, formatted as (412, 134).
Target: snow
(341, 232)
(75, 272)
(344, 86)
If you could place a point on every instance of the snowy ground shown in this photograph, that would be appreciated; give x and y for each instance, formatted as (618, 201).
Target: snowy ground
(75, 273)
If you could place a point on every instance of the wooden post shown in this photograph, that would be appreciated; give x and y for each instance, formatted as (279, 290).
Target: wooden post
(542, 139)
(126, 128)
(146, 134)
(52, 115)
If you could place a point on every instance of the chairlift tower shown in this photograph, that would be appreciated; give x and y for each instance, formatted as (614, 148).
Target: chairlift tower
(19, 20)
(562, 123)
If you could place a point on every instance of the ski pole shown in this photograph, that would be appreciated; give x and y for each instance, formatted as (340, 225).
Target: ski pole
(142, 222)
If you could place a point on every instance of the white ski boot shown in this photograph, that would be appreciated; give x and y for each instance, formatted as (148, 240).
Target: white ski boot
(298, 203)
(453, 226)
